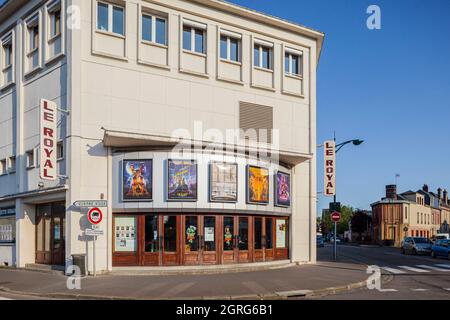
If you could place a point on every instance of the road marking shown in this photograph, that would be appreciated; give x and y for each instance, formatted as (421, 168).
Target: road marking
(2, 298)
(420, 290)
(443, 265)
(413, 269)
(448, 289)
(392, 270)
(432, 268)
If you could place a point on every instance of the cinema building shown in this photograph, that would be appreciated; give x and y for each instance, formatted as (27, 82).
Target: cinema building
(144, 96)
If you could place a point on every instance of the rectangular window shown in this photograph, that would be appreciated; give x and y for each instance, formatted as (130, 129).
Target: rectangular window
(269, 233)
(12, 164)
(110, 18)
(60, 150)
(7, 51)
(292, 64)
(154, 29)
(55, 21)
(262, 56)
(194, 39)
(229, 48)
(7, 225)
(30, 159)
(3, 167)
(33, 32)
(151, 234)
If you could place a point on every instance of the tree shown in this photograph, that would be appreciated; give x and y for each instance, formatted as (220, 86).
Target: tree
(360, 222)
(346, 215)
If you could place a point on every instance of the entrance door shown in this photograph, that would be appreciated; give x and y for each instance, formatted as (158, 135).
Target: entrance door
(229, 254)
(191, 237)
(152, 241)
(50, 244)
(208, 240)
(170, 248)
(268, 237)
(258, 239)
(243, 236)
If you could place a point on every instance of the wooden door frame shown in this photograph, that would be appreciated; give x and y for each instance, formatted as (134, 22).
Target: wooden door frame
(178, 254)
(120, 259)
(202, 239)
(141, 238)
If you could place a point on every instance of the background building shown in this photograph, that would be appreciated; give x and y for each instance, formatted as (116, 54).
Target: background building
(135, 77)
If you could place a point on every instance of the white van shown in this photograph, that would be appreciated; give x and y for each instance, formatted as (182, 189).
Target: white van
(442, 236)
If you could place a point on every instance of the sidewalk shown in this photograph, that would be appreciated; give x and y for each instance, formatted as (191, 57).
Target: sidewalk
(325, 277)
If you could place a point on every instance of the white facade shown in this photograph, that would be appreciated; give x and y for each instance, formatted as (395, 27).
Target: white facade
(128, 92)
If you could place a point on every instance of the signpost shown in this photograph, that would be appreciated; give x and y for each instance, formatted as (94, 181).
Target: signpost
(336, 217)
(95, 216)
(329, 184)
(48, 135)
(90, 203)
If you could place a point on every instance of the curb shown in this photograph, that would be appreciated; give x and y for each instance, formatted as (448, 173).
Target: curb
(280, 295)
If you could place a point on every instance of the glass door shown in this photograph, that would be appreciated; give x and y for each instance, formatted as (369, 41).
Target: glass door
(258, 239)
(170, 247)
(43, 235)
(268, 239)
(243, 240)
(208, 240)
(152, 241)
(229, 253)
(191, 249)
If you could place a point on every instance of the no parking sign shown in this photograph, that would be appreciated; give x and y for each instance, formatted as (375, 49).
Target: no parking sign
(95, 216)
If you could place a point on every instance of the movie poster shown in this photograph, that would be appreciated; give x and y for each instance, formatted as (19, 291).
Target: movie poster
(182, 180)
(223, 182)
(257, 185)
(137, 180)
(282, 189)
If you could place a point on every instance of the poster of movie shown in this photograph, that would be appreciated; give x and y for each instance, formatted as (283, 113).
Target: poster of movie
(282, 189)
(223, 182)
(137, 180)
(257, 185)
(182, 180)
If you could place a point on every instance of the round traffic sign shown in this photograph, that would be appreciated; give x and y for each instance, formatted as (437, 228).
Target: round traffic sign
(336, 216)
(95, 215)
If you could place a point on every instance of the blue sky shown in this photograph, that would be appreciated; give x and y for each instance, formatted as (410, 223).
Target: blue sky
(390, 87)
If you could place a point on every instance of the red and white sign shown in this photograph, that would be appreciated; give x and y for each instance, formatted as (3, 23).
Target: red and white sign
(95, 216)
(335, 216)
(329, 168)
(48, 136)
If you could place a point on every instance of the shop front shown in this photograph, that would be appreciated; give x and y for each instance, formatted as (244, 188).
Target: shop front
(195, 239)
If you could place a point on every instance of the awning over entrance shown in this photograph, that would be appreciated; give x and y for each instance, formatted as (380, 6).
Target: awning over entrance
(126, 139)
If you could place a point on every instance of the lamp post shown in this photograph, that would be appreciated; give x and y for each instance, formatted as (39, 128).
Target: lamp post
(355, 142)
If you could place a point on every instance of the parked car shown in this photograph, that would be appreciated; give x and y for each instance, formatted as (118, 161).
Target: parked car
(441, 249)
(319, 241)
(442, 236)
(337, 240)
(416, 245)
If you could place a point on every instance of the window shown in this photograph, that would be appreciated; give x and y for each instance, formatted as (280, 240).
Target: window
(55, 19)
(229, 48)
(7, 53)
(262, 56)
(12, 164)
(154, 29)
(7, 60)
(7, 225)
(30, 159)
(292, 64)
(110, 18)
(406, 213)
(60, 150)
(3, 167)
(194, 39)
(33, 39)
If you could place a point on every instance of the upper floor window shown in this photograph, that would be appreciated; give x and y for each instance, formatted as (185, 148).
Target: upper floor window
(262, 56)
(154, 29)
(7, 53)
(194, 35)
(33, 43)
(3, 167)
(12, 164)
(292, 64)
(33, 36)
(55, 20)
(110, 18)
(230, 47)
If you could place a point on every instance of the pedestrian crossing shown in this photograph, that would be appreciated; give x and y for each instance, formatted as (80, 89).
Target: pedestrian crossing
(421, 268)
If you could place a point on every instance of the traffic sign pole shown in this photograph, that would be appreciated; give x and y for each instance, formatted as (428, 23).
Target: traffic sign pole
(335, 244)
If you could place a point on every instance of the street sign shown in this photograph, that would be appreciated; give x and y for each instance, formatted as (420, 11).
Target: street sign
(335, 216)
(335, 206)
(93, 232)
(95, 216)
(91, 203)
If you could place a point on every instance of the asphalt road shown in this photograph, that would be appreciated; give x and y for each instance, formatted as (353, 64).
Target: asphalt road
(412, 277)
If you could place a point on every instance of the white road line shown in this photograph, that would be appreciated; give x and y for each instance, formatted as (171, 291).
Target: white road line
(392, 270)
(1, 298)
(443, 265)
(448, 289)
(420, 290)
(413, 269)
(432, 268)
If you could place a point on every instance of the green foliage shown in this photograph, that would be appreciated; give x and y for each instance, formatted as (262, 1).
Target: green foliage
(346, 215)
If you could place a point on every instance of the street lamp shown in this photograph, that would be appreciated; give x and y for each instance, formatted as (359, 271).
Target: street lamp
(356, 142)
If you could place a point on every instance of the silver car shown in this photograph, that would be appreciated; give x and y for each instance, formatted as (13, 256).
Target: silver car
(416, 245)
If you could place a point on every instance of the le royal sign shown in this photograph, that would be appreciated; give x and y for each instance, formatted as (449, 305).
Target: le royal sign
(329, 168)
(48, 136)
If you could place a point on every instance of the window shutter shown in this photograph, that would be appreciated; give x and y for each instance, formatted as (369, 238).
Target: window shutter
(256, 117)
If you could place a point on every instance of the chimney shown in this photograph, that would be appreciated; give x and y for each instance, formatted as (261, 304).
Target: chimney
(391, 191)
(425, 188)
(439, 191)
(445, 196)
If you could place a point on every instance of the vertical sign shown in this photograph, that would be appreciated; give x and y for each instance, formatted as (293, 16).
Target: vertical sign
(329, 168)
(48, 136)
